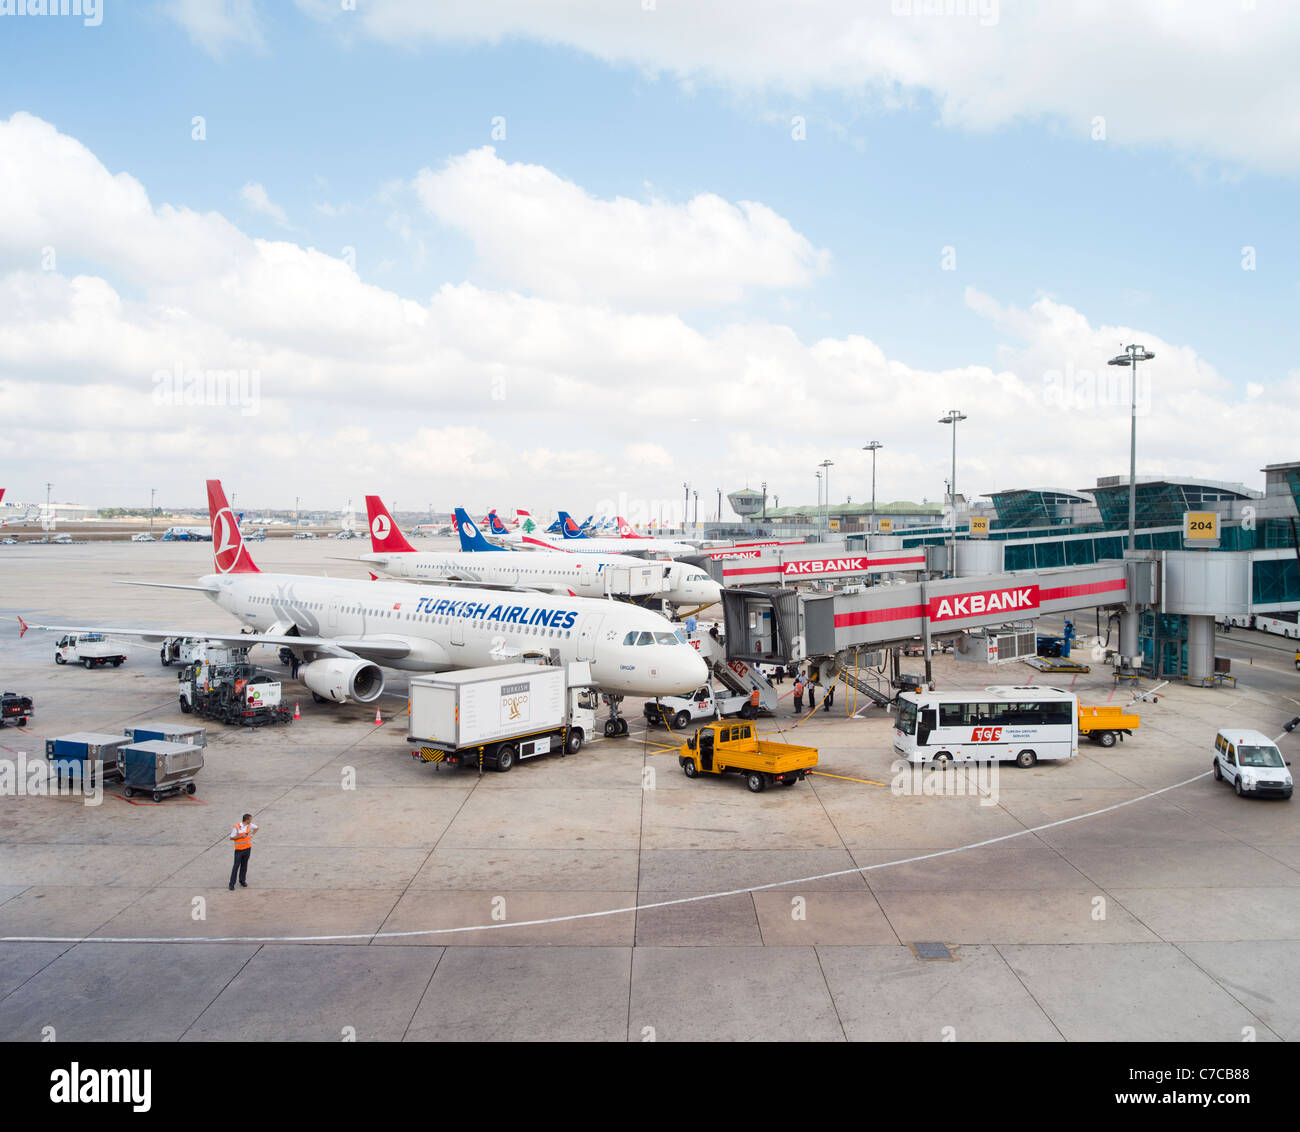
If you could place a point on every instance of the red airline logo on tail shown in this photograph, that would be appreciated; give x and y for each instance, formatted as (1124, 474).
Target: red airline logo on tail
(228, 551)
(384, 533)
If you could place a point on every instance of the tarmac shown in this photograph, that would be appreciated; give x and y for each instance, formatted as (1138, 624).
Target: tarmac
(603, 896)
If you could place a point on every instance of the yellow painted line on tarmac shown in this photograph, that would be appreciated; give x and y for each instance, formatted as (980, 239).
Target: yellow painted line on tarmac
(848, 778)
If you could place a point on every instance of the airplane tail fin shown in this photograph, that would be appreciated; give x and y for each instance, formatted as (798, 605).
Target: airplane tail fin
(471, 538)
(384, 532)
(495, 525)
(229, 553)
(568, 528)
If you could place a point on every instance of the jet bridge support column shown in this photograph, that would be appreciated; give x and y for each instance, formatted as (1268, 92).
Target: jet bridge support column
(1200, 650)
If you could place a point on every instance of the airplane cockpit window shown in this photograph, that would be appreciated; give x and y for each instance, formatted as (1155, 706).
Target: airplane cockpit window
(645, 639)
(666, 638)
(630, 639)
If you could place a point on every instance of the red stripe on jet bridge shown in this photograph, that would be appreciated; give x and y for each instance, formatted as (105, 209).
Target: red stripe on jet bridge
(895, 561)
(873, 616)
(1081, 591)
(750, 570)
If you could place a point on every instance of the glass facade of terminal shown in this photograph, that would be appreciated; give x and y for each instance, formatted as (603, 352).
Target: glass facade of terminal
(1158, 504)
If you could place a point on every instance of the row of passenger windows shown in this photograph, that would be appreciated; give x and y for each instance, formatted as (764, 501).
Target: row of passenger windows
(1005, 714)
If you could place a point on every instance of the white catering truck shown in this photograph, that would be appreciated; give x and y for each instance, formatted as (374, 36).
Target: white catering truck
(494, 716)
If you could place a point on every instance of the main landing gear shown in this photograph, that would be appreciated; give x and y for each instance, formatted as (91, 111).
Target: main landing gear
(615, 725)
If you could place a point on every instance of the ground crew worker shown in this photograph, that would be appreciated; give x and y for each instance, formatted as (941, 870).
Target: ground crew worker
(753, 701)
(830, 694)
(242, 835)
(798, 694)
(691, 623)
(713, 632)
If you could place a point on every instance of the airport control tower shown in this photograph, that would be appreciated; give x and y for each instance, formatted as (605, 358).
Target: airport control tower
(746, 503)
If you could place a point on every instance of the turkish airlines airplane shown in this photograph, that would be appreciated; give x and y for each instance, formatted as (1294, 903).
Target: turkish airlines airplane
(606, 575)
(345, 630)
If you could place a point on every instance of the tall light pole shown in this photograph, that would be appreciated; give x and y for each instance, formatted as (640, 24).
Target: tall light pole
(765, 501)
(686, 504)
(952, 418)
(828, 464)
(819, 500)
(874, 447)
(153, 491)
(696, 521)
(1131, 356)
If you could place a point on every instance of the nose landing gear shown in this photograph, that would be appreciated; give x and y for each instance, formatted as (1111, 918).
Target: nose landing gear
(615, 725)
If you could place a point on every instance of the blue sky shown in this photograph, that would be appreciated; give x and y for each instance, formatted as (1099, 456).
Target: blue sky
(1138, 234)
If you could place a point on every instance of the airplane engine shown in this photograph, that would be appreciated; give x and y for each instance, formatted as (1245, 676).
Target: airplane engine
(340, 680)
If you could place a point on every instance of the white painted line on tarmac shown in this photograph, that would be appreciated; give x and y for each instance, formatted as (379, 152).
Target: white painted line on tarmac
(595, 915)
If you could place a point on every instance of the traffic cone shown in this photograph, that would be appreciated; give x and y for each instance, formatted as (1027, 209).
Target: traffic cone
(296, 713)
(379, 720)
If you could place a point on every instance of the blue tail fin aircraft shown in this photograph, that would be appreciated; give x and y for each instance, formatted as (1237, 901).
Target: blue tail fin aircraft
(471, 538)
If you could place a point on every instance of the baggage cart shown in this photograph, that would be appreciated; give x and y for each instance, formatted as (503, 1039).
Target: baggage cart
(159, 769)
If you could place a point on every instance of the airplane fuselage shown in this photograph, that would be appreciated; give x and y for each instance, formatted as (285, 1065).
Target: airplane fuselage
(586, 575)
(632, 651)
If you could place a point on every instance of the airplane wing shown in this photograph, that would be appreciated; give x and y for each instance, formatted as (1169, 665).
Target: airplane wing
(378, 648)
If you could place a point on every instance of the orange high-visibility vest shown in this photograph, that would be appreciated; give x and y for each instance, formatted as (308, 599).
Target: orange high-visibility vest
(753, 697)
(243, 836)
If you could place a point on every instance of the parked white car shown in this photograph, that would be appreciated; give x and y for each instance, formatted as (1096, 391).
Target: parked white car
(143, 537)
(1252, 763)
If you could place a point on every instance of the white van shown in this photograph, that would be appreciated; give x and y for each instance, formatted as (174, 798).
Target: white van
(1252, 763)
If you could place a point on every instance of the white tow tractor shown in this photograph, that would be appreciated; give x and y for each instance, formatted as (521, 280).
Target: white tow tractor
(704, 703)
(88, 649)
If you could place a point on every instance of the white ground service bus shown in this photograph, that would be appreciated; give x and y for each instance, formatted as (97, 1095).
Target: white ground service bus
(1022, 723)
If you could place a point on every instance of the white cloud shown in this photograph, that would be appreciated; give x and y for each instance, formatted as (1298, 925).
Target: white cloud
(534, 230)
(255, 196)
(215, 25)
(1203, 77)
(487, 396)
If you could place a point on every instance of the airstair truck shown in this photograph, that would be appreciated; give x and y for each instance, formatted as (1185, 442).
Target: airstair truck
(495, 716)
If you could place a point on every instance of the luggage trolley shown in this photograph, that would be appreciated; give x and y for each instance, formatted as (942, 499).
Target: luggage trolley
(86, 754)
(158, 769)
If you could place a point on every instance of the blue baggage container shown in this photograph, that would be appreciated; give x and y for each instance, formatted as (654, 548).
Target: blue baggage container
(83, 752)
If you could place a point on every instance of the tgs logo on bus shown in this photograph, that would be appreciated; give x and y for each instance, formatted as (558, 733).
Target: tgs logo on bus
(985, 734)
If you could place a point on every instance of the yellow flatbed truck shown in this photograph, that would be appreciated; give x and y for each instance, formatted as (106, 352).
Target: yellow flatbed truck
(728, 746)
(1107, 723)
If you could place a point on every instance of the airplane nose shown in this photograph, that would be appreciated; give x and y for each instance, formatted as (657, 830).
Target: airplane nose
(697, 671)
(712, 592)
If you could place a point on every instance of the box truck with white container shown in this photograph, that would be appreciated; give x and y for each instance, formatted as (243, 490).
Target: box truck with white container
(495, 716)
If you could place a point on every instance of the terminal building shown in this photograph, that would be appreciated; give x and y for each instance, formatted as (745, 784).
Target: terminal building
(1172, 593)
